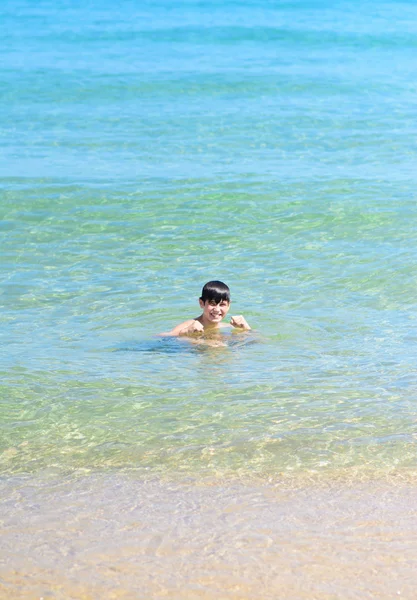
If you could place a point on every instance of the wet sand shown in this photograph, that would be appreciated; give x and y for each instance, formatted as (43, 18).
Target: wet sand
(104, 537)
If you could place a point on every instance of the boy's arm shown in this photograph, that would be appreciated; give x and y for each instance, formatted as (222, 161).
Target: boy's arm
(240, 323)
(185, 328)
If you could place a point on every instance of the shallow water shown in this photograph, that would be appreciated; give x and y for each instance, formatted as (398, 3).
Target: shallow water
(148, 149)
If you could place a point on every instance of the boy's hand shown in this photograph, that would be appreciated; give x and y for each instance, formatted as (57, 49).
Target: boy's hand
(194, 327)
(239, 322)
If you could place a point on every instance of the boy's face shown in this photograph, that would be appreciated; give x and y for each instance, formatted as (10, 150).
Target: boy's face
(214, 312)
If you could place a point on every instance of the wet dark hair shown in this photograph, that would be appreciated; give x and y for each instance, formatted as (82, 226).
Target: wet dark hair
(215, 290)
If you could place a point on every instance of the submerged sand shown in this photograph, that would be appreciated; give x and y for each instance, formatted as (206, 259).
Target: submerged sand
(104, 537)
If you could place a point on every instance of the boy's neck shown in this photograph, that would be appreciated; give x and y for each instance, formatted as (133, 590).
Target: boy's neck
(206, 324)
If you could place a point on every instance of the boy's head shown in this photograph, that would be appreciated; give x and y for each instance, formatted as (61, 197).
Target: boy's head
(216, 291)
(215, 302)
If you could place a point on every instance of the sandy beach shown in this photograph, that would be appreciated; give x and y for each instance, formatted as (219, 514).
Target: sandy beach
(117, 537)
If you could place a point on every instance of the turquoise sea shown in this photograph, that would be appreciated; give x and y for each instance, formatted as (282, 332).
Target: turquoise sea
(146, 148)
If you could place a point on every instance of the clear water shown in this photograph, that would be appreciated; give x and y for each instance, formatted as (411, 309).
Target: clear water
(147, 148)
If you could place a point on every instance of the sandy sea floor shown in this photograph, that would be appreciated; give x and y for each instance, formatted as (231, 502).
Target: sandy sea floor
(106, 536)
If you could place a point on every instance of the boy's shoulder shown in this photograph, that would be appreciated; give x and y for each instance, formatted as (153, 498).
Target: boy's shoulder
(176, 330)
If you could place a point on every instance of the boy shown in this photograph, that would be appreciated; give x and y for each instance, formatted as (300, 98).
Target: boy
(215, 303)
